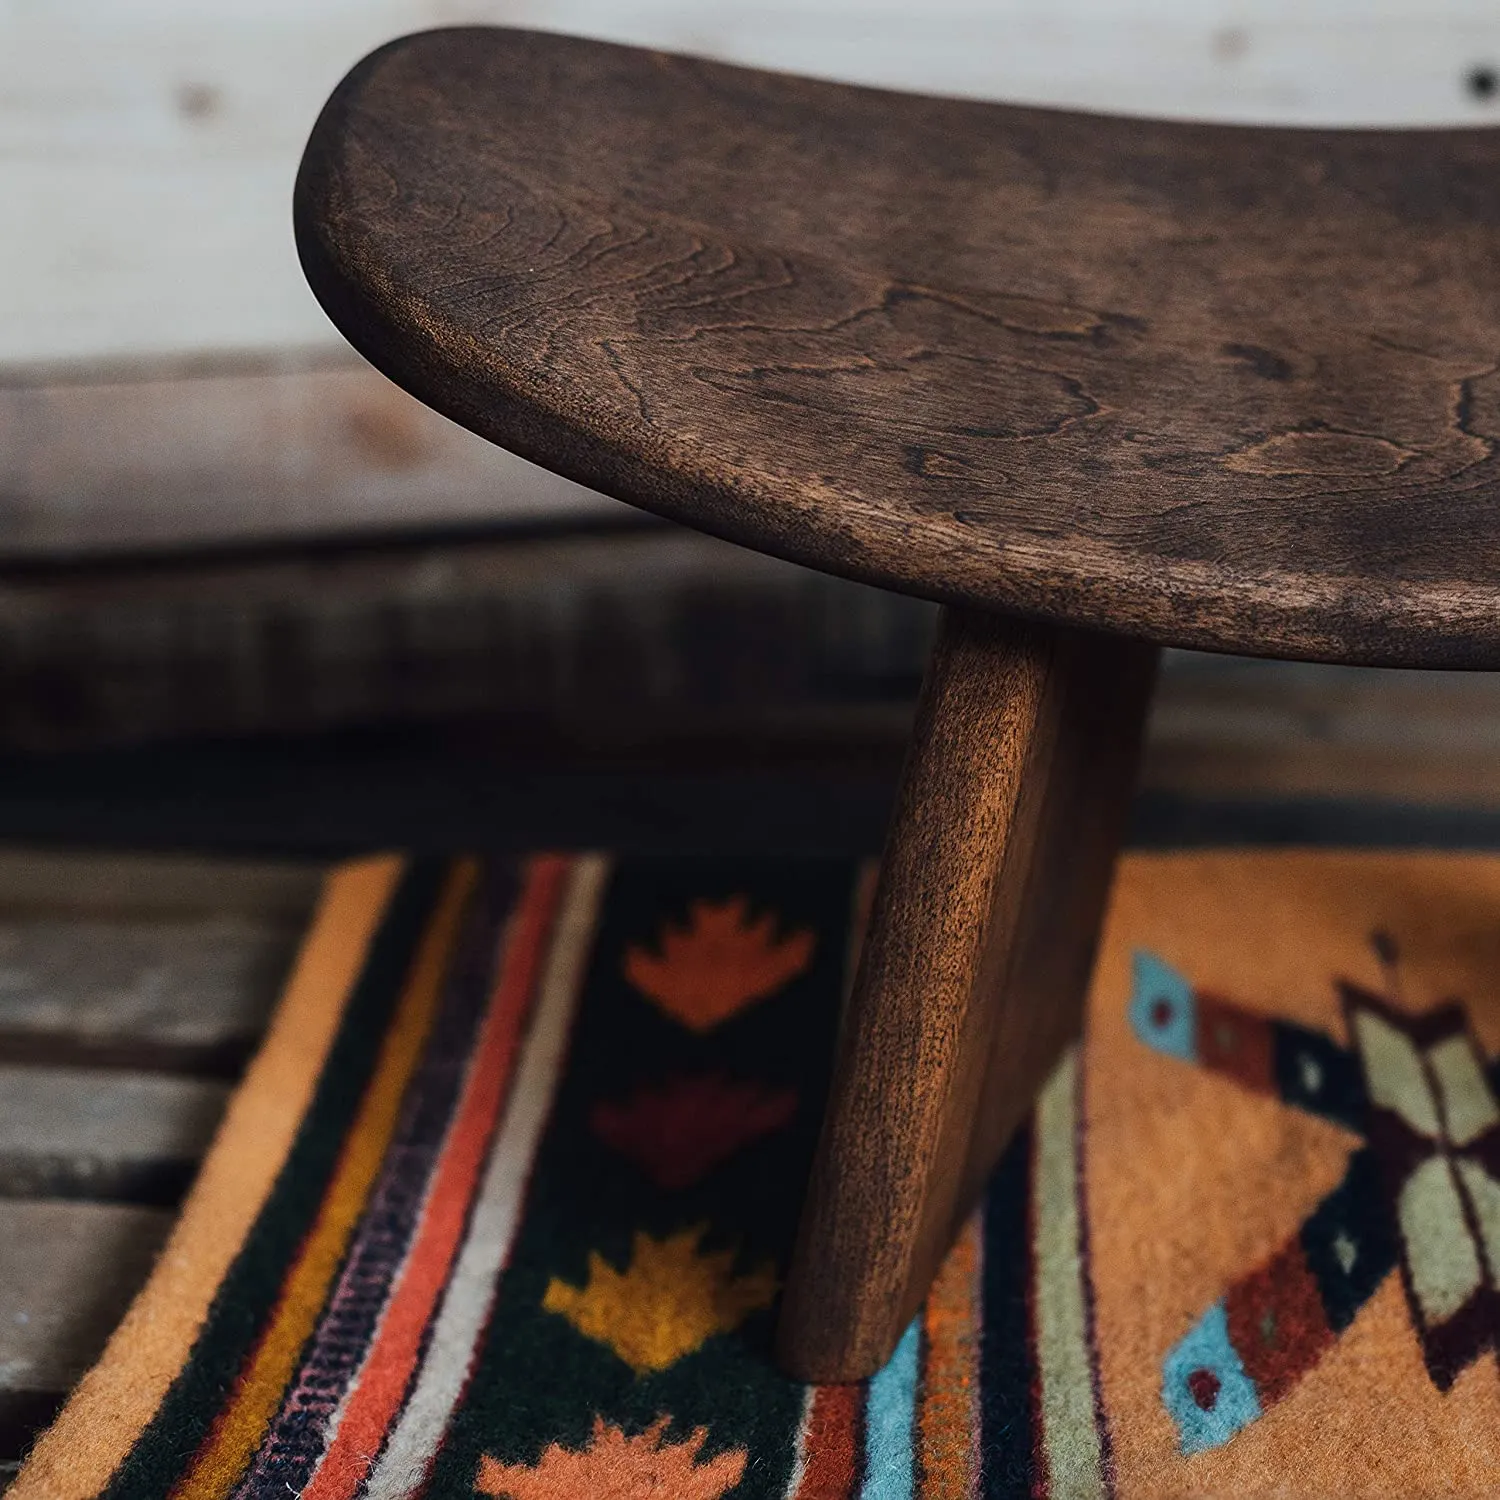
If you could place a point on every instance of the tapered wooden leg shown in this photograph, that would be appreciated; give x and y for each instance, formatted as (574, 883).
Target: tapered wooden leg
(972, 980)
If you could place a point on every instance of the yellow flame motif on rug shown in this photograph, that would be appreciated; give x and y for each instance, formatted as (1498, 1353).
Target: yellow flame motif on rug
(708, 971)
(616, 1467)
(667, 1304)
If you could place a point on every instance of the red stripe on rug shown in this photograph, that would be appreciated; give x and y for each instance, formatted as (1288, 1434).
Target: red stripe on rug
(831, 1443)
(381, 1387)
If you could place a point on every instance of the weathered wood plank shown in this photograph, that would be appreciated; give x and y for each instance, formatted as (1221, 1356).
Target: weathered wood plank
(189, 996)
(233, 456)
(70, 1271)
(154, 885)
(360, 796)
(754, 790)
(1261, 61)
(160, 961)
(143, 962)
(1226, 727)
(107, 1136)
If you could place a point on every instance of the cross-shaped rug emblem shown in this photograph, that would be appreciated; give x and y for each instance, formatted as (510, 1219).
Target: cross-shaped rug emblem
(1423, 1192)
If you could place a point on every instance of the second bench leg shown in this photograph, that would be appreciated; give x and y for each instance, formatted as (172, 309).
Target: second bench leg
(971, 983)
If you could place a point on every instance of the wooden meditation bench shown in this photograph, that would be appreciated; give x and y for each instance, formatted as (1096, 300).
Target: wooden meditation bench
(1098, 385)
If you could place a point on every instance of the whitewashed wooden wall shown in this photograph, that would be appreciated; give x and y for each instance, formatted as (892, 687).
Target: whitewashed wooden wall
(147, 149)
(147, 146)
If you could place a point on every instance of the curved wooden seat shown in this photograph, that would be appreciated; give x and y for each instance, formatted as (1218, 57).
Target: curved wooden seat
(1142, 383)
(1211, 386)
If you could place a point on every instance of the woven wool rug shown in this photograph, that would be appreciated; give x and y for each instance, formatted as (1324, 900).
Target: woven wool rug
(501, 1207)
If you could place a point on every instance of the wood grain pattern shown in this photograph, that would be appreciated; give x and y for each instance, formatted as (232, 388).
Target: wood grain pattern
(1219, 387)
(972, 979)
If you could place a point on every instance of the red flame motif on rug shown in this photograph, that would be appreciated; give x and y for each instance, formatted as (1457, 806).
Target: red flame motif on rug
(679, 1131)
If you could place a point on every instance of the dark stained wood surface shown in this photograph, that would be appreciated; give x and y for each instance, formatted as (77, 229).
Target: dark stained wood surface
(973, 974)
(1213, 386)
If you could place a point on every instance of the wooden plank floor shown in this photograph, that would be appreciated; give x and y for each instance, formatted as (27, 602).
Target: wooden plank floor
(134, 986)
(133, 989)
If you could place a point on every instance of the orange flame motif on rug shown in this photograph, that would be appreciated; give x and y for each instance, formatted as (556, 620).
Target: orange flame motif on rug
(616, 1467)
(718, 964)
(669, 1302)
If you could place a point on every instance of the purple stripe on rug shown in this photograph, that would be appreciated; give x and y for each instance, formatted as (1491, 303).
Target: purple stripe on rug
(299, 1432)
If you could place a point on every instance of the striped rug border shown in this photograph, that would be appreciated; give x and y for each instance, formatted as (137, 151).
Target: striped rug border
(248, 1296)
(332, 1363)
(437, 1381)
(999, 1362)
(1072, 1439)
(239, 1425)
(374, 1399)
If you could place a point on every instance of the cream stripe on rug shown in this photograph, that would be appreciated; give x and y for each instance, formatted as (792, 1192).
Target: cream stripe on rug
(1070, 1433)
